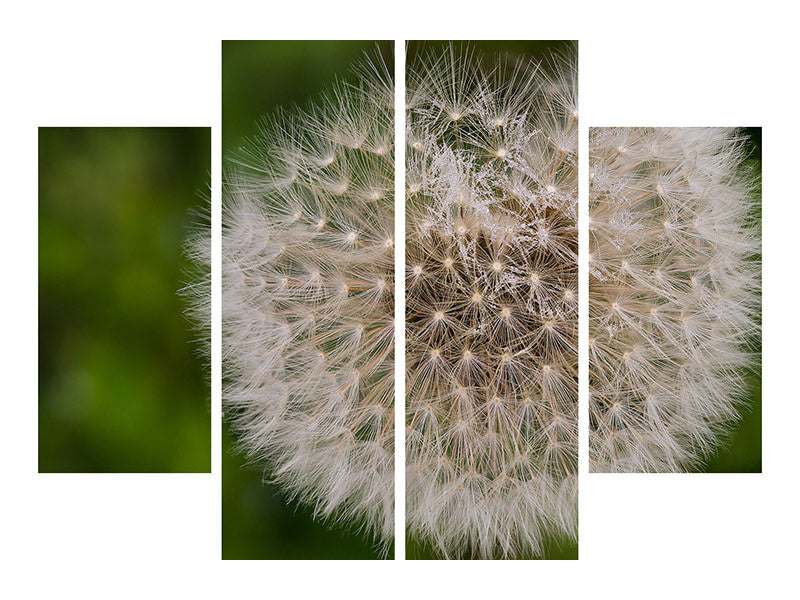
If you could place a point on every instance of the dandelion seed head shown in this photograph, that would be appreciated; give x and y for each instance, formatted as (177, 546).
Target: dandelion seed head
(308, 353)
(491, 472)
(667, 359)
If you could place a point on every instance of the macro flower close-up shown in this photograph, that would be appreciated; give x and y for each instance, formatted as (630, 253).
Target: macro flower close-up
(674, 294)
(491, 302)
(308, 303)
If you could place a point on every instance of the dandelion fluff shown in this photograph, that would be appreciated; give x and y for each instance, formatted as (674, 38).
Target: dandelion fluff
(674, 291)
(307, 302)
(491, 300)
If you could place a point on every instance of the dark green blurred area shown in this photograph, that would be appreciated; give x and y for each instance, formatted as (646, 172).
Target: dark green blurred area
(740, 451)
(258, 77)
(121, 385)
(553, 550)
(540, 50)
(259, 523)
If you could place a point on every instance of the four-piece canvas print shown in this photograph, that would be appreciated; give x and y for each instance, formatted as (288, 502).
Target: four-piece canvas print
(492, 215)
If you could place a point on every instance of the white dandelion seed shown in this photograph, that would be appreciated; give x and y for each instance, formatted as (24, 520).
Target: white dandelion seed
(307, 310)
(491, 313)
(674, 294)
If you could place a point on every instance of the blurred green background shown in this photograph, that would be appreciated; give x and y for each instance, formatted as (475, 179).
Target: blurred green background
(258, 522)
(740, 451)
(553, 550)
(489, 49)
(540, 50)
(260, 76)
(121, 385)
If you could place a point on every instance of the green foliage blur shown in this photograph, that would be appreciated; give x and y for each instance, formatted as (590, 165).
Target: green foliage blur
(552, 550)
(258, 77)
(540, 50)
(122, 387)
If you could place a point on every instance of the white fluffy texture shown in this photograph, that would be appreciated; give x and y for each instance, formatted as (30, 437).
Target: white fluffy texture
(491, 296)
(307, 311)
(674, 292)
